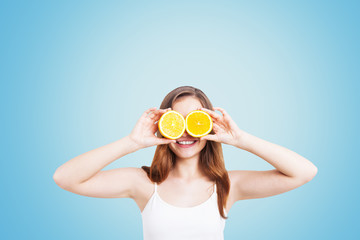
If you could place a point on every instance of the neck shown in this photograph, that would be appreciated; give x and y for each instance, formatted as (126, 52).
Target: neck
(187, 169)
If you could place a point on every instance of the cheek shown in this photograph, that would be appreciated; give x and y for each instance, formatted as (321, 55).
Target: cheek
(172, 146)
(202, 143)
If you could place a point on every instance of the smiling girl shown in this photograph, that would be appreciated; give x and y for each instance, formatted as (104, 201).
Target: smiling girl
(187, 192)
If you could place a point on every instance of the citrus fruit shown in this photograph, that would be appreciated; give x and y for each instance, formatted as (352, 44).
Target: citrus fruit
(172, 124)
(198, 123)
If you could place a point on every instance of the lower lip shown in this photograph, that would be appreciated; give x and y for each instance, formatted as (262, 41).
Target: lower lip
(186, 145)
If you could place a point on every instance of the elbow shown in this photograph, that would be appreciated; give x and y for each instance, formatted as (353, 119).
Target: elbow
(311, 173)
(56, 177)
(59, 180)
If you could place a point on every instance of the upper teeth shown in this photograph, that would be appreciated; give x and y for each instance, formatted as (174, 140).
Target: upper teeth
(186, 142)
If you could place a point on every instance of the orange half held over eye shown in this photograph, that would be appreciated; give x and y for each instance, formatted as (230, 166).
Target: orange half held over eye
(198, 123)
(172, 124)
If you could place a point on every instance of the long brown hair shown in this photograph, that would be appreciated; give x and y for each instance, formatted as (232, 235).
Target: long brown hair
(211, 156)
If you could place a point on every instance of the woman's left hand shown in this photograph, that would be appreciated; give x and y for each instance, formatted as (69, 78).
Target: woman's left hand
(226, 130)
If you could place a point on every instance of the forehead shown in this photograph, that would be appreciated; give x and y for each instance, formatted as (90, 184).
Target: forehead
(186, 104)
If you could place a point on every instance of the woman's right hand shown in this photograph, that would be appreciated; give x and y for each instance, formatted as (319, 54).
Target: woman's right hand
(143, 134)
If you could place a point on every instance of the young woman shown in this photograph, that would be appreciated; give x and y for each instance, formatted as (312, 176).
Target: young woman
(186, 193)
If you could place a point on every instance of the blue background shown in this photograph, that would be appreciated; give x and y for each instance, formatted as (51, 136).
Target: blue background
(77, 75)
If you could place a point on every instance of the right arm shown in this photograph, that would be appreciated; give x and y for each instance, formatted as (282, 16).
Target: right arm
(82, 174)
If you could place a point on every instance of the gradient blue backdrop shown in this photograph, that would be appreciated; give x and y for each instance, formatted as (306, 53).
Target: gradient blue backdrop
(76, 75)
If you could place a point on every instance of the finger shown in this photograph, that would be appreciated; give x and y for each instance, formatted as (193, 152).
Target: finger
(148, 111)
(162, 111)
(156, 115)
(153, 113)
(161, 141)
(212, 114)
(216, 127)
(224, 113)
(154, 127)
(210, 137)
(227, 117)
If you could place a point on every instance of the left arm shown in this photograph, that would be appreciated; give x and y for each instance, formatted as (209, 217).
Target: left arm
(291, 169)
(284, 160)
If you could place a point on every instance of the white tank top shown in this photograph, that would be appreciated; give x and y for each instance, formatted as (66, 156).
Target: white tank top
(163, 221)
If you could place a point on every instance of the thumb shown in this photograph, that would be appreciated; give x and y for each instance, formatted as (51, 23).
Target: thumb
(210, 137)
(165, 141)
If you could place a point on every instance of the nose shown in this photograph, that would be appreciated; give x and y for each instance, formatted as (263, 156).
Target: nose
(185, 134)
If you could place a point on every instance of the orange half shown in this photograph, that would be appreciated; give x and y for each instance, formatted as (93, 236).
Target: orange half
(172, 124)
(198, 123)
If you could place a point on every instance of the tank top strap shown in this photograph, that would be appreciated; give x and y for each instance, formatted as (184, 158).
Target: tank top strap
(214, 187)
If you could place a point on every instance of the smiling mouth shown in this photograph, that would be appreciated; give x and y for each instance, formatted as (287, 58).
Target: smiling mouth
(186, 144)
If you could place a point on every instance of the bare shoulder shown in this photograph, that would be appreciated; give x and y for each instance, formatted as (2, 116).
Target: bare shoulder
(235, 176)
(141, 185)
(137, 174)
(127, 174)
(143, 188)
(232, 174)
(143, 182)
